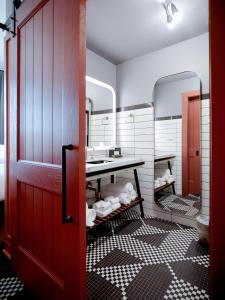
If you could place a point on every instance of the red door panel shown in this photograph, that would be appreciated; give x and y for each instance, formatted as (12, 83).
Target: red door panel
(49, 111)
(191, 144)
(194, 146)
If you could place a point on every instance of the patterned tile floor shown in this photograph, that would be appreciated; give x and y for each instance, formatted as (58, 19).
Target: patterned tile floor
(11, 286)
(146, 259)
(188, 206)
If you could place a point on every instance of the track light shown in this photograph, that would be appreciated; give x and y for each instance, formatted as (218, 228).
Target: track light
(172, 13)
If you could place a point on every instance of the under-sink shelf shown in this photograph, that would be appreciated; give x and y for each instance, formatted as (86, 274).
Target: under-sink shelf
(163, 186)
(123, 208)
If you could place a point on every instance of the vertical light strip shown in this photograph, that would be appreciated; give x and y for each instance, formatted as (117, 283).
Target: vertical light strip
(111, 89)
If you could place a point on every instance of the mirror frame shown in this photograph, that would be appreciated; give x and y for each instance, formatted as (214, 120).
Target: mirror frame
(200, 95)
(111, 89)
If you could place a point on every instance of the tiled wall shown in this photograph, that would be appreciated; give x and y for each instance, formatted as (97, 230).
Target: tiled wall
(135, 134)
(168, 140)
(101, 129)
(205, 154)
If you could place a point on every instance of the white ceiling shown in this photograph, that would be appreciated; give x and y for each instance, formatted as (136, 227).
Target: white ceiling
(120, 30)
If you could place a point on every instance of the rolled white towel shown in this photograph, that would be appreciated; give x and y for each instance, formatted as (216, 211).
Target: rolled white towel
(102, 206)
(165, 178)
(90, 216)
(157, 183)
(119, 187)
(112, 200)
(171, 179)
(116, 206)
(124, 198)
(102, 214)
(167, 172)
(133, 195)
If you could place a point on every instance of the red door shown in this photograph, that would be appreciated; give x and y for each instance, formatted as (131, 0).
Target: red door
(191, 144)
(46, 109)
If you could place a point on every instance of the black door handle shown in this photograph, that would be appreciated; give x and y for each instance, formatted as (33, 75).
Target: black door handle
(197, 152)
(65, 217)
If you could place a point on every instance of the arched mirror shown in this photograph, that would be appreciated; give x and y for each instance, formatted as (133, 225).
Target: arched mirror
(177, 106)
(100, 114)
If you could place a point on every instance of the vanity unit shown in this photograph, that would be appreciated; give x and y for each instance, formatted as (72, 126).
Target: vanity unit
(101, 140)
(109, 167)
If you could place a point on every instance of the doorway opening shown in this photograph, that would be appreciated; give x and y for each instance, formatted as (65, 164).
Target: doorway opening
(120, 53)
(191, 140)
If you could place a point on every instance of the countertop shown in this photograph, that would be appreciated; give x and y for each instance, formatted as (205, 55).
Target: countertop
(113, 164)
(164, 157)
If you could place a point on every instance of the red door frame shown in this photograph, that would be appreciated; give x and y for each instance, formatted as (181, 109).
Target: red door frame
(185, 100)
(217, 162)
(8, 209)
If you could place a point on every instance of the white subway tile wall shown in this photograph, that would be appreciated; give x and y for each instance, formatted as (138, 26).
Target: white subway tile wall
(135, 134)
(168, 140)
(205, 155)
(101, 129)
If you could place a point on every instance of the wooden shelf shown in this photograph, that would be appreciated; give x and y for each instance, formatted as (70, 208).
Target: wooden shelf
(123, 208)
(163, 187)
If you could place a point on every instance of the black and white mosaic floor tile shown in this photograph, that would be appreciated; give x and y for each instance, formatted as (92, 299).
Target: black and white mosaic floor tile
(133, 258)
(188, 206)
(146, 259)
(10, 287)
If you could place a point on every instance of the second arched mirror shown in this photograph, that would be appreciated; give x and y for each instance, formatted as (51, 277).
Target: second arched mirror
(177, 106)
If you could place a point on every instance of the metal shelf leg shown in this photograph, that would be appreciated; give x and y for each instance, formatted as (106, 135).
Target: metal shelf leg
(173, 187)
(138, 192)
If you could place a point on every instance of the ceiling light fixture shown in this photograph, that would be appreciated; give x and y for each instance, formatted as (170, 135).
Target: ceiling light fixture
(172, 13)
